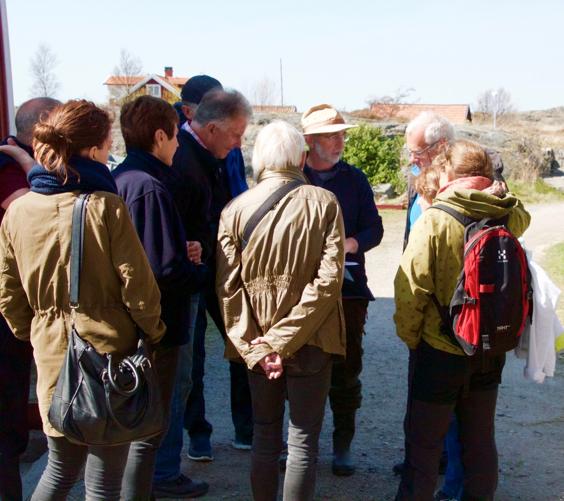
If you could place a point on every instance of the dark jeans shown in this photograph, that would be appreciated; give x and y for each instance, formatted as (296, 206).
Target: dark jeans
(345, 394)
(168, 460)
(440, 384)
(305, 383)
(138, 477)
(15, 364)
(241, 410)
(102, 475)
(454, 475)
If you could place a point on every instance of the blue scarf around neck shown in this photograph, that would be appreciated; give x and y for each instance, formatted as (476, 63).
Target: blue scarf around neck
(94, 176)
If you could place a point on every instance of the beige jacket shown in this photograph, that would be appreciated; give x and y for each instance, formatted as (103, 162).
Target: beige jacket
(117, 287)
(286, 284)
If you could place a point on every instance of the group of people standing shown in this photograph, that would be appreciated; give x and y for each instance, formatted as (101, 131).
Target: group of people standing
(174, 233)
(151, 231)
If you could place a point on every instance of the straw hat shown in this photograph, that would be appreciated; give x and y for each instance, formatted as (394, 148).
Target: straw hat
(323, 119)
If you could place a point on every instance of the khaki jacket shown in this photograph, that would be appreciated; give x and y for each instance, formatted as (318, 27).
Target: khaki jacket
(286, 284)
(433, 259)
(117, 287)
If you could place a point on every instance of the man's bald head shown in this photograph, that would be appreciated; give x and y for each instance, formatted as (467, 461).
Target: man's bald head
(29, 113)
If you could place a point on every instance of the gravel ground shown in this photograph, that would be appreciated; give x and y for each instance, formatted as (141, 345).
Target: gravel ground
(530, 417)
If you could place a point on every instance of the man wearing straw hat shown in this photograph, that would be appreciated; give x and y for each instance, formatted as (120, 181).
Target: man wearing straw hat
(324, 129)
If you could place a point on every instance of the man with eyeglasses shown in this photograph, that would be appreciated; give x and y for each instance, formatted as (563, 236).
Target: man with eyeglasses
(324, 129)
(426, 136)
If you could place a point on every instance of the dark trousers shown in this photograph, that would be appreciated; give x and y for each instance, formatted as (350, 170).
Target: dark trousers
(440, 384)
(15, 365)
(138, 476)
(195, 420)
(305, 383)
(345, 394)
(102, 474)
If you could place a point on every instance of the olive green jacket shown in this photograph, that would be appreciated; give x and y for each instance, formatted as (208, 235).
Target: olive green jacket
(286, 284)
(117, 287)
(433, 259)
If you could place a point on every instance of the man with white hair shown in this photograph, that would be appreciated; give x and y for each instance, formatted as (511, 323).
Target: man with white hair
(324, 131)
(280, 260)
(426, 136)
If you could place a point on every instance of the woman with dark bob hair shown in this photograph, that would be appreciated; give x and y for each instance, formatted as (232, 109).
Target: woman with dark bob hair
(117, 288)
(148, 126)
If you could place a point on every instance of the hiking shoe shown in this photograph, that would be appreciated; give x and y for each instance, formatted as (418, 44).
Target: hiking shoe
(180, 488)
(200, 449)
(342, 464)
(242, 443)
(441, 496)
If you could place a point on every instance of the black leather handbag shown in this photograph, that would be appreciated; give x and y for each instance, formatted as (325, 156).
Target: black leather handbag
(99, 400)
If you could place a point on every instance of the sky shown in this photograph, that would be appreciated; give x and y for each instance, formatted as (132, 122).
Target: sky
(339, 52)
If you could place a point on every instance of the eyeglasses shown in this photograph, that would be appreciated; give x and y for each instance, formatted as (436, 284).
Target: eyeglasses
(335, 136)
(422, 151)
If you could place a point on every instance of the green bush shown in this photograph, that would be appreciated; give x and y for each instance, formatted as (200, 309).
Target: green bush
(376, 155)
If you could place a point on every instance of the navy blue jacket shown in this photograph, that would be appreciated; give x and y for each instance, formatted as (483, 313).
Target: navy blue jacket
(201, 190)
(362, 221)
(140, 181)
(235, 166)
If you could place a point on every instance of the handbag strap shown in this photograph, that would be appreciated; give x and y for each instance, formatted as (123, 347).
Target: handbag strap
(266, 206)
(77, 241)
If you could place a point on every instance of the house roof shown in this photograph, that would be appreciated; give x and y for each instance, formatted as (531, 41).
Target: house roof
(134, 80)
(160, 80)
(456, 113)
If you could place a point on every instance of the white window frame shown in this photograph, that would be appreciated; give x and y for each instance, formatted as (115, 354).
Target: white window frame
(154, 90)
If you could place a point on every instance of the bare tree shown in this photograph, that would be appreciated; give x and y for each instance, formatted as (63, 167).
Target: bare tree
(264, 91)
(401, 96)
(385, 107)
(42, 69)
(495, 101)
(129, 66)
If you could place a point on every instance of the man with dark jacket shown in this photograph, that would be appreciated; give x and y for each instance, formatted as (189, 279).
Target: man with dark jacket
(192, 93)
(148, 126)
(203, 190)
(324, 131)
(15, 355)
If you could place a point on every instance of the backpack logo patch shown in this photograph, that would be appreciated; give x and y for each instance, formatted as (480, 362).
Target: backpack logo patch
(502, 256)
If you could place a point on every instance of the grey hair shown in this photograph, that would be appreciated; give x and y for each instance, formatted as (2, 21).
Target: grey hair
(219, 105)
(278, 145)
(435, 127)
(29, 113)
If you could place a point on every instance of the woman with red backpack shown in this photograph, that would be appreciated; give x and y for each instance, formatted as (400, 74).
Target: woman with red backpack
(445, 379)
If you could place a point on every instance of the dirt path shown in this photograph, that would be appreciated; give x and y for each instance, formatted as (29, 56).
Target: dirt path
(530, 418)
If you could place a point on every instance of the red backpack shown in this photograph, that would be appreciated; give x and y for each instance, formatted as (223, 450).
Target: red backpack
(493, 295)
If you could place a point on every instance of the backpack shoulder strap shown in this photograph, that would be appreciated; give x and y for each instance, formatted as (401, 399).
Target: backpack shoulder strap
(266, 206)
(461, 218)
